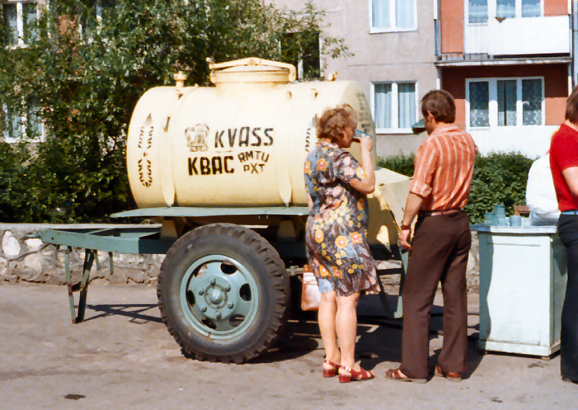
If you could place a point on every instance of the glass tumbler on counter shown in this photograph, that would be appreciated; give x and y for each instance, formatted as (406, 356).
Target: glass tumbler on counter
(499, 210)
(515, 220)
(490, 219)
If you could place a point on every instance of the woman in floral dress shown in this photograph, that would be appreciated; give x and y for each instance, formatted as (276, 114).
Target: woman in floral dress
(336, 236)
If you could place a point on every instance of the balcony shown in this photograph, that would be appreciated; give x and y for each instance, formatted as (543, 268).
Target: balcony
(503, 40)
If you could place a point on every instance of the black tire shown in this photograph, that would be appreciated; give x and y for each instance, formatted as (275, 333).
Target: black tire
(246, 276)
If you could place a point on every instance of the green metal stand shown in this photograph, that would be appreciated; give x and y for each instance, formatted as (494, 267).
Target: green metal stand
(397, 312)
(89, 258)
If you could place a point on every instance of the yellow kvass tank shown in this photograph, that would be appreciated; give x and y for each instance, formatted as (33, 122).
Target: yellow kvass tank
(240, 143)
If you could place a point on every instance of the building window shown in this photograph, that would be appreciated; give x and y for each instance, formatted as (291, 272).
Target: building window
(478, 11)
(307, 57)
(392, 15)
(25, 124)
(479, 104)
(507, 102)
(20, 19)
(394, 106)
(518, 8)
(91, 17)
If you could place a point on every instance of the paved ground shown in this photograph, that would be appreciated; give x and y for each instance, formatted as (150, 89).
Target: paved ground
(122, 357)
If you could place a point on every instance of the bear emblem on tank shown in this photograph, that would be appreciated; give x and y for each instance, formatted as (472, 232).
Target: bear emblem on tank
(197, 137)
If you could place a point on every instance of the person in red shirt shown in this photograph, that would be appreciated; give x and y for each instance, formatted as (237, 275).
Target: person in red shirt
(444, 165)
(564, 166)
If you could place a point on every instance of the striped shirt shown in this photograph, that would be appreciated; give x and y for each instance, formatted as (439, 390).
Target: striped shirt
(444, 165)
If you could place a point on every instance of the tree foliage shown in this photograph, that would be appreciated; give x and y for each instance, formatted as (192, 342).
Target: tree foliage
(86, 71)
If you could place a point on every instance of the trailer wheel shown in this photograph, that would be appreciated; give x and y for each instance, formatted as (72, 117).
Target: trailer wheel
(224, 293)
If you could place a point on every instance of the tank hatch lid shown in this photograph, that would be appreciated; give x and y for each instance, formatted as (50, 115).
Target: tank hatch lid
(252, 71)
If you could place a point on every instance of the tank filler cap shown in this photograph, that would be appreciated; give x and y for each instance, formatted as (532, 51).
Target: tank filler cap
(180, 79)
(251, 71)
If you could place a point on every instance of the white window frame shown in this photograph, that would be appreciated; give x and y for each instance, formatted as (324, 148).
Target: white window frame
(394, 107)
(20, 20)
(23, 121)
(394, 28)
(98, 6)
(492, 11)
(493, 102)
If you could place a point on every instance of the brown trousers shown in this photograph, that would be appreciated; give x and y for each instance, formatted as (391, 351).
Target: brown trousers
(440, 249)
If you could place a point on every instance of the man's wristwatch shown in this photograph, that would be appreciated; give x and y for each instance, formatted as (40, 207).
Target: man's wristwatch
(405, 227)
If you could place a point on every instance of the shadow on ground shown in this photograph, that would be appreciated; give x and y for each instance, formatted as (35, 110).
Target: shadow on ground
(136, 312)
(379, 337)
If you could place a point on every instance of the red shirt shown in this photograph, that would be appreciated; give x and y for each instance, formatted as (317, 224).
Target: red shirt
(444, 165)
(563, 155)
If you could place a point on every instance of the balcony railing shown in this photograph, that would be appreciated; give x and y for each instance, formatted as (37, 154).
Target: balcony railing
(462, 40)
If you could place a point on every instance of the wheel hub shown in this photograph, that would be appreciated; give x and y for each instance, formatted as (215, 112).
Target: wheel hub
(216, 296)
(220, 294)
(216, 299)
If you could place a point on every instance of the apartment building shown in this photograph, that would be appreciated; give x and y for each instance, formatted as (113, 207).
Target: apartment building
(508, 63)
(393, 43)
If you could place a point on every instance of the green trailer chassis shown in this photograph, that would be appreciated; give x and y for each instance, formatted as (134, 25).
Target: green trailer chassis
(147, 240)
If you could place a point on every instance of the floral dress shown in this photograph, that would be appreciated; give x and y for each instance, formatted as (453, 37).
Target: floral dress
(336, 237)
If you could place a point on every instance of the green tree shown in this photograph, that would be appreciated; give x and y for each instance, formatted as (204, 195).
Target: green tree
(84, 67)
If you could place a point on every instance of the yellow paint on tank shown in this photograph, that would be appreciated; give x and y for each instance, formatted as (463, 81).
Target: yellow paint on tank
(241, 143)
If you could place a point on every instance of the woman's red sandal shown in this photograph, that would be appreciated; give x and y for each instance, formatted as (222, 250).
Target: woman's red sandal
(330, 372)
(354, 375)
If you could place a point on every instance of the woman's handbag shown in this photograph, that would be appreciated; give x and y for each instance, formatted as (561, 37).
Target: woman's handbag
(310, 296)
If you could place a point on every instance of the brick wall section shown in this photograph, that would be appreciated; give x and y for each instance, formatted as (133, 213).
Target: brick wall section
(556, 7)
(452, 26)
(555, 80)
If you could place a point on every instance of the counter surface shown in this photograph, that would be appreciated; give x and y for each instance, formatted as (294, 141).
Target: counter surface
(517, 230)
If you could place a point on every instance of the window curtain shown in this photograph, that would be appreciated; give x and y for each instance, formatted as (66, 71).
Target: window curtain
(507, 97)
(478, 11)
(506, 8)
(479, 104)
(531, 8)
(383, 105)
(406, 105)
(11, 22)
(380, 14)
(404, 13)
(532, 102)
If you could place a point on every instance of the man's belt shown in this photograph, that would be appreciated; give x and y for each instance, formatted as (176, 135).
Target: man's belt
(572, 212)
(438, 213)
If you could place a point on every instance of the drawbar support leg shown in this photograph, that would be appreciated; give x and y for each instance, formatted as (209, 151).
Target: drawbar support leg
(89, 257)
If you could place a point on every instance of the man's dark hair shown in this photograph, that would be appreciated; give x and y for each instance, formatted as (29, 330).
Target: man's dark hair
(572, 106)
(441, 104)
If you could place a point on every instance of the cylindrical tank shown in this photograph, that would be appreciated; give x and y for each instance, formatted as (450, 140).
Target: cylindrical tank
(241, 143)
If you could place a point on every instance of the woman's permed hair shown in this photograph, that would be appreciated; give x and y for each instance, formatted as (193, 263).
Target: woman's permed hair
(334, 121)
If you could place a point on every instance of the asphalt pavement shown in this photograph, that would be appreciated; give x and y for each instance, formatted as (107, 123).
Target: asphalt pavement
(122, 357)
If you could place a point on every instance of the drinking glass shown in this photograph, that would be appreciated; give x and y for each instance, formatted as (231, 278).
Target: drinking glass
(515, 220)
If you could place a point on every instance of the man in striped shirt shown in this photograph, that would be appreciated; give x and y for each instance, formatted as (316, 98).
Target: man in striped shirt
(444, 165)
